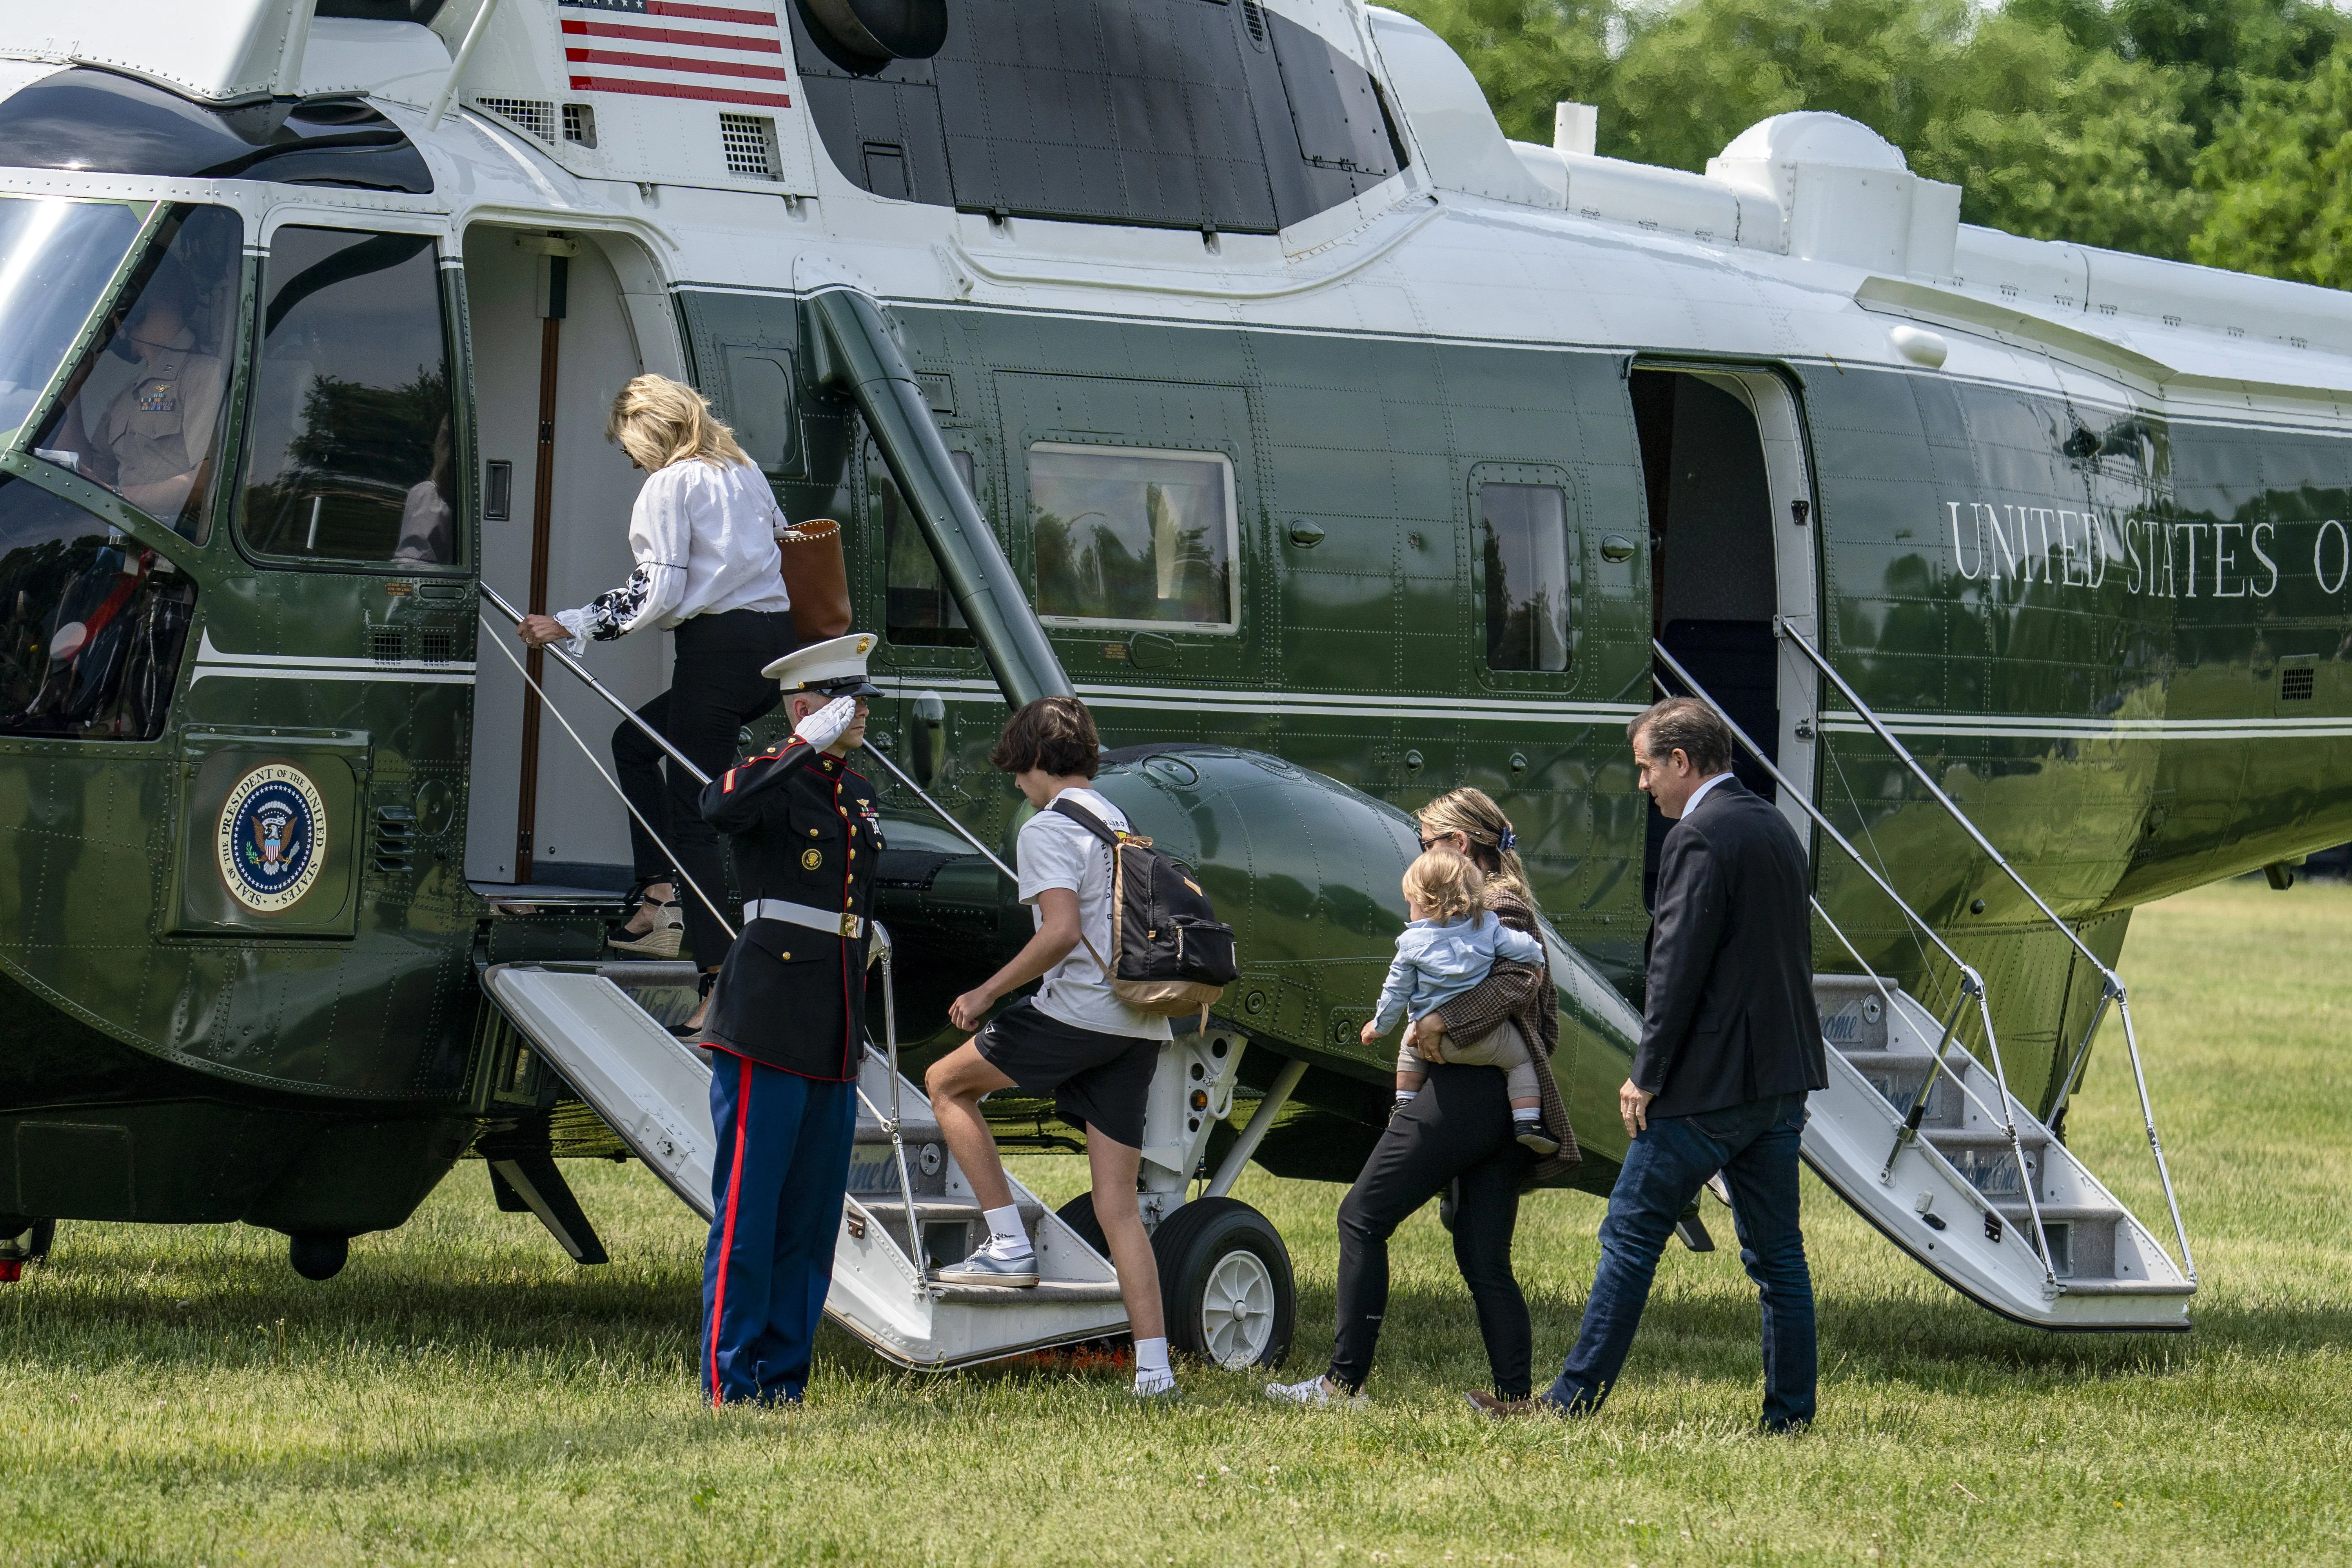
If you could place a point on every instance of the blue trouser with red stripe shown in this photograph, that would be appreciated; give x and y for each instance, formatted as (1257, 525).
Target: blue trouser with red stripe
(783, 1162)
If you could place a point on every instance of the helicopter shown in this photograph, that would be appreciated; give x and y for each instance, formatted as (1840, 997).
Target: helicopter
(1220, 362)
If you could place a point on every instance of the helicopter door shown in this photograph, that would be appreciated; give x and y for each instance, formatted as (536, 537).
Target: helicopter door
(1731, 546)
(552, 343)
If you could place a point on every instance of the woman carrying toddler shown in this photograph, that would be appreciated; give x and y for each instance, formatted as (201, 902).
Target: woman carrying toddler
(1456, 1132)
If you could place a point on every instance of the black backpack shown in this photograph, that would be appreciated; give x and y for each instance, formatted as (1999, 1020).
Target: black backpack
(1171, 955)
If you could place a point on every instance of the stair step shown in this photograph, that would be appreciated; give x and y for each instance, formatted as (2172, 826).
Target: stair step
(943, 1211)
(916, 1133)
(2014, 1210)
(2128, 1288)
(1982, 1137)
(1054, 1291)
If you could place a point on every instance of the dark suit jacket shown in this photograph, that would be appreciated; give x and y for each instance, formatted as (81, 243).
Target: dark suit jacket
(1730, 1014)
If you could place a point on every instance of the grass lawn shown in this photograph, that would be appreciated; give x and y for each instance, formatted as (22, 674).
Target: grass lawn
(462, 1393)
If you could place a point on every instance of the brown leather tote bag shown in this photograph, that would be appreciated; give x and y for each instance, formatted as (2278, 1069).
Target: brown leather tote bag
(817, 578)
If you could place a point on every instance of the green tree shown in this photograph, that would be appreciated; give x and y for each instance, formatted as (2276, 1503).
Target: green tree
(1527, 55)
(2054, 141)
(2058, 118)
(1693, 78)
(2278, 174)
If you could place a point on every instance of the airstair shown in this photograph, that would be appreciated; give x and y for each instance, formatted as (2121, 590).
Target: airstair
(1924, 1138)
(1958, 1191)
(908, 1208)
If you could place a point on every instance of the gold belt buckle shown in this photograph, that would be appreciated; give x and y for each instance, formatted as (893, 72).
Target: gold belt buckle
(848, 925)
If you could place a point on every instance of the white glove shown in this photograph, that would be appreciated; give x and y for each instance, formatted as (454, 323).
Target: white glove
(828, 724)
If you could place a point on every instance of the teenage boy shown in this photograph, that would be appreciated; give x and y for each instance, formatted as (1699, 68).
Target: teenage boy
(1074, 1039)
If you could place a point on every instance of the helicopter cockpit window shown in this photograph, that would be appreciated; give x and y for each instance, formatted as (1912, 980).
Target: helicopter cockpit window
(56, 257)
(351, 453)
(1127, 537)
(92, 623)
(918, 610)
(140, 413)
(1524, 532)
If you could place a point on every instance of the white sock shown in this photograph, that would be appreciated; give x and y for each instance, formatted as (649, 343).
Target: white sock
(1405, 1094)
(1004, 1229)
(1152, 1372)
(1527, 1113)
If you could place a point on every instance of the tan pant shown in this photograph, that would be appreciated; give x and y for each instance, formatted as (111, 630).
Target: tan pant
(1503, 1047)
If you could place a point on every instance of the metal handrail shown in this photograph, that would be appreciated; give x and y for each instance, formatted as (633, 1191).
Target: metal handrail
(1920, 771)
(2114, 990)
(1971, 981)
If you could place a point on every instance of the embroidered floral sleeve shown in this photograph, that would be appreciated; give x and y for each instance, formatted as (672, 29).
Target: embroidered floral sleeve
(648, 594)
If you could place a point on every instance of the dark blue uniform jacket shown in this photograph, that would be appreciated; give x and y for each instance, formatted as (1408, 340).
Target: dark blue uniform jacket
(805, 829)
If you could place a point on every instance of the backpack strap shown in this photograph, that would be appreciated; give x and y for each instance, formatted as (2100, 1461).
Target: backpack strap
(1104, 831)
(1086, 819)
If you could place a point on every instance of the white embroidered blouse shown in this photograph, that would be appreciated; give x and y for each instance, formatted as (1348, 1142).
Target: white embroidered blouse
(705, 538)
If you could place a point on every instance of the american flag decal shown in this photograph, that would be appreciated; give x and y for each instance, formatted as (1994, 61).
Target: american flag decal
(674, 48)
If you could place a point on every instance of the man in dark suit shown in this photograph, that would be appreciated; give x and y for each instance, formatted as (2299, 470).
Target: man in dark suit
(1731, 1044)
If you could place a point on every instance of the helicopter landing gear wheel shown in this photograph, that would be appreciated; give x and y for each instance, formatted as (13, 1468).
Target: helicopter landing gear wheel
(1226, 1281)
(1079, 1213)
(318, 1254)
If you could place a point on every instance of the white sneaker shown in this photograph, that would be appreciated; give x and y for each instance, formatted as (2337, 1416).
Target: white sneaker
(1318, 1390)
(991, 1265)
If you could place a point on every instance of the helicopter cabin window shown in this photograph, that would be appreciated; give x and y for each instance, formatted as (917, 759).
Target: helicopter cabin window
(352, 438)
(920, 610)
(141, 411)
(61, 255)
(1130, 536)
(92, 623)
(1524, 535)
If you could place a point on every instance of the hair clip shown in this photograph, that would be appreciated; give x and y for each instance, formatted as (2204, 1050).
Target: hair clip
(1510, 840)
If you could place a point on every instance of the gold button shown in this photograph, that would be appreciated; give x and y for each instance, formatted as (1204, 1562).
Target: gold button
(788, 958)
(811, 833)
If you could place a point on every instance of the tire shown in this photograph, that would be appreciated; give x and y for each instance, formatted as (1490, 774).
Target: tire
(39, 1241)
(1216, 1255)
(1079, 1213)
(317, 1253)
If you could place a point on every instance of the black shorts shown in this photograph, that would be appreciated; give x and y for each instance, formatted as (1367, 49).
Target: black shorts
(1097, 1080)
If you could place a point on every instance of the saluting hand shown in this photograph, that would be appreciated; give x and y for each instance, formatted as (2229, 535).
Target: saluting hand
(828, 724)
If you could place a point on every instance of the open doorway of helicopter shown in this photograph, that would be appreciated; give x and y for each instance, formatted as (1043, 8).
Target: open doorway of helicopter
(554, 338)
(1731, 546)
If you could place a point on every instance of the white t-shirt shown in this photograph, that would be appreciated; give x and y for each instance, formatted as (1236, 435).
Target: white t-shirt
(1054, 852)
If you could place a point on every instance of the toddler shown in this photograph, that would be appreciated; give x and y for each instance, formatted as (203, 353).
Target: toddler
(1447, 950)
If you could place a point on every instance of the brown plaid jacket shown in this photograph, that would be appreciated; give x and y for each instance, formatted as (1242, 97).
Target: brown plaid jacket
(1517, 993)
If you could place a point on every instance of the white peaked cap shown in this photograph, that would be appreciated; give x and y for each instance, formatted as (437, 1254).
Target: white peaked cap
(837, 661)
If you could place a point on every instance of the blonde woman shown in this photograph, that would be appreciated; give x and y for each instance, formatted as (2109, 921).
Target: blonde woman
(1457, 1133)
(704, 534)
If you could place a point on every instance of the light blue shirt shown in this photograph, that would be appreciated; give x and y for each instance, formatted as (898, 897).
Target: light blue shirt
(1437, 960)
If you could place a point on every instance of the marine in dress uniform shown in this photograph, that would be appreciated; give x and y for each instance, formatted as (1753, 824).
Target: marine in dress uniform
(787, 1025)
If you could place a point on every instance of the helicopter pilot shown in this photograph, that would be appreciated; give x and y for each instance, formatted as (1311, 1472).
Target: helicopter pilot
(787, 1027)
(143, 423)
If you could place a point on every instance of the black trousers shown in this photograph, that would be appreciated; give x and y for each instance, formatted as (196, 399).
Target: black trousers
(1458, 1126)
(715, 688)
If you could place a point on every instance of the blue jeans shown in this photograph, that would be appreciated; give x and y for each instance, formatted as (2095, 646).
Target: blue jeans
(1755, 1147)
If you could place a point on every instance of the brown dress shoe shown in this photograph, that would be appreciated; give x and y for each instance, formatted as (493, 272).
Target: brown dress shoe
(1494, 1409)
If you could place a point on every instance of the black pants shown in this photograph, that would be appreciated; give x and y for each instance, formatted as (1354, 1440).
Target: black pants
(715, 688)
(1459, 1125)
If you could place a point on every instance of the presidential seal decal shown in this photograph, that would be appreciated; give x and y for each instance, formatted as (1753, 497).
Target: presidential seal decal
(273, 838)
